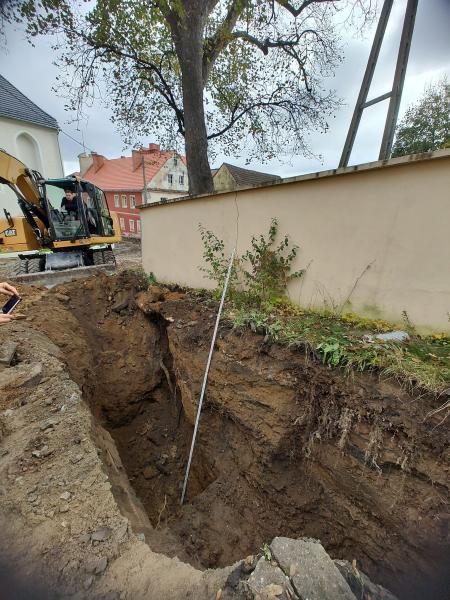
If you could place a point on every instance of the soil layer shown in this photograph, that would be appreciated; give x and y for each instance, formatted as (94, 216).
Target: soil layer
(286, 446)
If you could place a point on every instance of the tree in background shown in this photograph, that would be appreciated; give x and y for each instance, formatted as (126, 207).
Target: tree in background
(426, 124)
(230, 75)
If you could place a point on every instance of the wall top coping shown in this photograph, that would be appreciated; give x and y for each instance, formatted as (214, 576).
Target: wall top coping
(379, 164)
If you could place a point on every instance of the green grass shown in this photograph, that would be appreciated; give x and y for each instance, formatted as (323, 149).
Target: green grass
(339, 341)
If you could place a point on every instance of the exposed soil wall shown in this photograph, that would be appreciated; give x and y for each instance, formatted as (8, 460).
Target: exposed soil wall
(286, 446)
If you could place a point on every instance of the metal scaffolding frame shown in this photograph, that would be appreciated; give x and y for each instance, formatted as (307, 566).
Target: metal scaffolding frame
(395, 94)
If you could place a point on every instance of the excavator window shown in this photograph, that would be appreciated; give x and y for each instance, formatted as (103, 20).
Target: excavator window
(66, 223)
(103, 211)
(88, 216)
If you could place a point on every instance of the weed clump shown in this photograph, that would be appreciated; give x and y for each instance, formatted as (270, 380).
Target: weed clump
(260, 276)
(422, 361)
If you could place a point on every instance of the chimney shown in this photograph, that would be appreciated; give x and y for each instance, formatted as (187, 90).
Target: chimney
(86, 163)
(98, 161)
(153, 148)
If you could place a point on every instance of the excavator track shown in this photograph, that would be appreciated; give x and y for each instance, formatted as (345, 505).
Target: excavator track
(60, 267)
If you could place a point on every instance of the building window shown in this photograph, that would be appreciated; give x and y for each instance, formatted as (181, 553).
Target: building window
(131, 221)
(132, 201)
(122, 223)
(138, 223)
(181, 179)
(175, 162)
(116, 201)
(170, 178)
(124, 200)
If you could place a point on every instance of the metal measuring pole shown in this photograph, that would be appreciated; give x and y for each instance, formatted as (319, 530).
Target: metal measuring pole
(205, 378)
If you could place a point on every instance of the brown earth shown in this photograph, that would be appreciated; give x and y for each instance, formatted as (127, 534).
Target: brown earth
(286, 446)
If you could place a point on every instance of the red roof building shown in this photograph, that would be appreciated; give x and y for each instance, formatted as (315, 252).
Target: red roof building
(148, 175)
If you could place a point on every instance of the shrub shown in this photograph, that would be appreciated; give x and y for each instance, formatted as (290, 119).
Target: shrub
(269, 267)
(260, 276)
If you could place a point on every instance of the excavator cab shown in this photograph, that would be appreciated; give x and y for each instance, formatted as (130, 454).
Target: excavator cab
(52, 234)
(89, 217)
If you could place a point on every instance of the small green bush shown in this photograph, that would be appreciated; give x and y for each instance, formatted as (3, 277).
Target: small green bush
(267, 267)
(260, 276)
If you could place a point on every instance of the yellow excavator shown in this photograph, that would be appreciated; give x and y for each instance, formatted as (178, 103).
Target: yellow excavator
(51, 238)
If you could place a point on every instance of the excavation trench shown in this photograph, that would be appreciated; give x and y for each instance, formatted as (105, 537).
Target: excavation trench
(286, 446)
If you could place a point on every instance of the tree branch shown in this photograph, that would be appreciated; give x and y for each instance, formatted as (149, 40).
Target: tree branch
(222, 37)
(296, 11)
(164, 89)
(267, 43)
(285, 104)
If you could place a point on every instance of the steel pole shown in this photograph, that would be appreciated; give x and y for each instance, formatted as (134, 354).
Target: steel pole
(205, 378)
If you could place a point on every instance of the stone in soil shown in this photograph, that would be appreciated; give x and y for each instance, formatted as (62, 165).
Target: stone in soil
(313, 574)
(24, 375)
(101, 535)
(7, 352)
(263, 579)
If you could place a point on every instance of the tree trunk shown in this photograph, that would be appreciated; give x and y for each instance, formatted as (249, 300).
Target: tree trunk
(189, 44)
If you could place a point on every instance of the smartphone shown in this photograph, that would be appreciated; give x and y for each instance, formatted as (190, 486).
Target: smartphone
(11, 304)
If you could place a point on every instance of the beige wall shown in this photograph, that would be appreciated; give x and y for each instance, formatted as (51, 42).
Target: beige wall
(377, 233)
(41, 148)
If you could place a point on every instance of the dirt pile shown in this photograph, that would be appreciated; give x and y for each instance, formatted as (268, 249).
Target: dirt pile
(286, 446)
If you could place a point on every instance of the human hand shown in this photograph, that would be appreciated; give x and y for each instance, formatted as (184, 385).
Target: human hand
(9, 290)
(5, 318)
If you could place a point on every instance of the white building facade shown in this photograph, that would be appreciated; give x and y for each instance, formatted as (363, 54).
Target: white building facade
(30, 134)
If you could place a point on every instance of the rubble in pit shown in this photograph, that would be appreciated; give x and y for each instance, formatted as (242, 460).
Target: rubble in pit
(286, 446)
(297, 569)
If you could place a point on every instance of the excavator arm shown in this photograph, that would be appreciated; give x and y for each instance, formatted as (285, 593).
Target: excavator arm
(24, 183)
(16, 175)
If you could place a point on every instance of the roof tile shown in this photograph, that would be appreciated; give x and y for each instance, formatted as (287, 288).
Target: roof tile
(15, 105)
(247, 177)
(119, 174)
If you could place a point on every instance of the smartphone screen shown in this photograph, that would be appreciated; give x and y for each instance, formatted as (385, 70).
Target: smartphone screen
(11, 304)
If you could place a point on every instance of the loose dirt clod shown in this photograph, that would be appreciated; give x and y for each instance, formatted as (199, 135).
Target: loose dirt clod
(286, 446)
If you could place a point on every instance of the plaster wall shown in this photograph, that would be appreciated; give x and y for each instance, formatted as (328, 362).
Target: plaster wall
(373, 238)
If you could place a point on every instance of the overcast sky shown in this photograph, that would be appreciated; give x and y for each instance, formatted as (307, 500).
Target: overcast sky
(32, 72)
